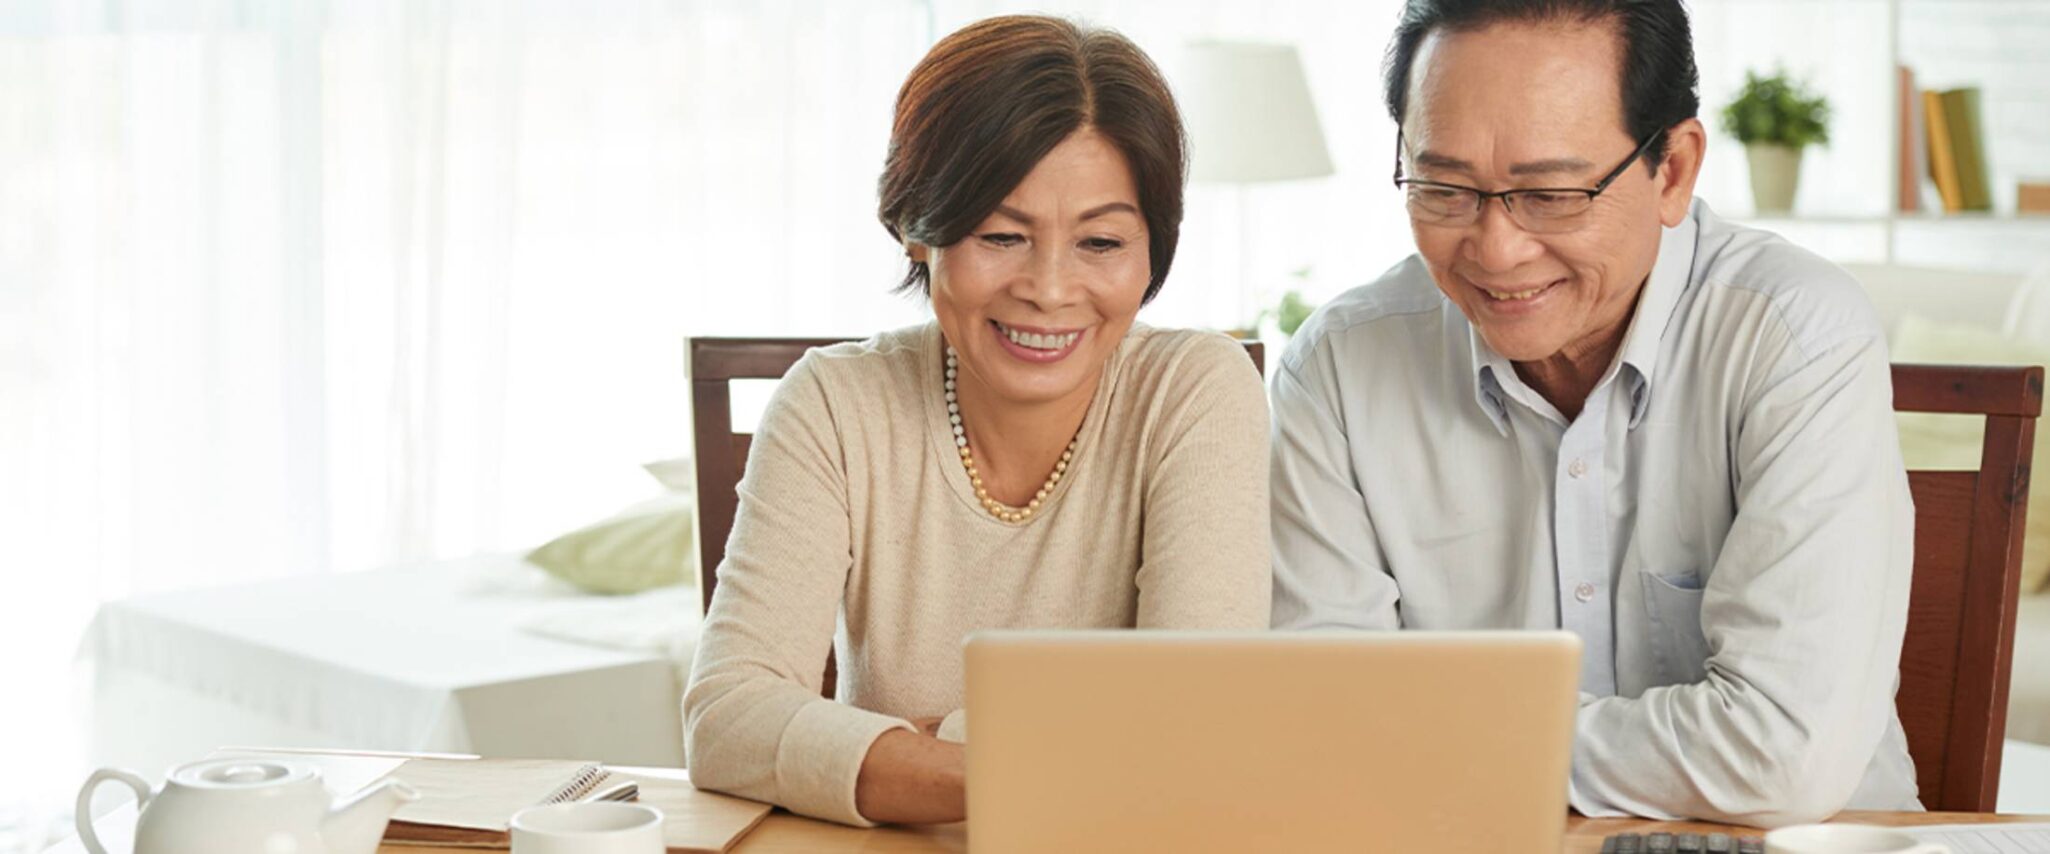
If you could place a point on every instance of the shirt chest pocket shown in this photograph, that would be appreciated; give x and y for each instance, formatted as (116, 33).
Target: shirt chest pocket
(1672, 607)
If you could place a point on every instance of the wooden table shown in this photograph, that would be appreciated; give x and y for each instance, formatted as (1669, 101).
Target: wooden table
(782, 832)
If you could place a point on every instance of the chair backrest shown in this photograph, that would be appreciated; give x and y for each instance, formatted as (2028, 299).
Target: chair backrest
(721, 454)
(1959, 648)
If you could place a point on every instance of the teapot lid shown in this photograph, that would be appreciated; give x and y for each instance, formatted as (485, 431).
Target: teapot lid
(236, 773)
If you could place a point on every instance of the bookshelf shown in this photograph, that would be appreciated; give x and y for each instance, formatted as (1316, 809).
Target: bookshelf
(1849, 49)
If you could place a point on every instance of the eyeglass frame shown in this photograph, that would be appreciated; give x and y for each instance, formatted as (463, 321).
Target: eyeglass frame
(1481, 209)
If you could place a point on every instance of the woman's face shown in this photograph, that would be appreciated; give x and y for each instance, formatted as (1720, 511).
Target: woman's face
(1037, 297)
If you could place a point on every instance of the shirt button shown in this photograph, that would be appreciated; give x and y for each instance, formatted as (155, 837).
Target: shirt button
(1584, 593)
(1578, 468)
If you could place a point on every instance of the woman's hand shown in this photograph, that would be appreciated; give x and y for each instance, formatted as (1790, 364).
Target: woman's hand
(913, 778)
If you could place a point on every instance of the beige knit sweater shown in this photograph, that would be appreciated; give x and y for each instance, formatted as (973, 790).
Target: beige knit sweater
(855, 510)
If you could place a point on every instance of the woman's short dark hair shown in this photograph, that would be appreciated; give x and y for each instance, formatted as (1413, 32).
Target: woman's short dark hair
(987, 103)
(1659, 80)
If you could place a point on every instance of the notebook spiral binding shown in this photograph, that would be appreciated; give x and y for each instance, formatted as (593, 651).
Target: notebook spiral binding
(581, 785)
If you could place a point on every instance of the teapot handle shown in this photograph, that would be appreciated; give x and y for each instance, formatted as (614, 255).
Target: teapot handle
(86, 836)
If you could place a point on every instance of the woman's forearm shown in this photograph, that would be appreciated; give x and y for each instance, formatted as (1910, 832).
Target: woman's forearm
(912, 778)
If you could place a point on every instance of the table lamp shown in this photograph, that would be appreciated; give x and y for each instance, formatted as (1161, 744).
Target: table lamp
(1250, 120)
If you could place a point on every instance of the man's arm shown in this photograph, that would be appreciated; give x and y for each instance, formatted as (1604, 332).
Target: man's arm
(1803, 614)
(1328, 568)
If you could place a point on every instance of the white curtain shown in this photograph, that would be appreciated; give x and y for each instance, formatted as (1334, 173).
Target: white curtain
(303, 286)
(292, 287)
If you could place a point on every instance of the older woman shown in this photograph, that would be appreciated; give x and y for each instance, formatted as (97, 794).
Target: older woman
(1031, 458)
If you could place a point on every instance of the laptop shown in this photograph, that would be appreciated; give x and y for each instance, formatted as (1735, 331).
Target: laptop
(1272, 741)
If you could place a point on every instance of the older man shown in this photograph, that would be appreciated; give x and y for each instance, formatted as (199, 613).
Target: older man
(1588, 402)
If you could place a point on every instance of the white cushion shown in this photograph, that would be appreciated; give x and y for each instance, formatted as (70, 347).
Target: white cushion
(2028, 703)
(1949, 296)
(1931, 441)
(2028, 315)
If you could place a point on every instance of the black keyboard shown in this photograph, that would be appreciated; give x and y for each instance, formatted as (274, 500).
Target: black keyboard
(1682, 843)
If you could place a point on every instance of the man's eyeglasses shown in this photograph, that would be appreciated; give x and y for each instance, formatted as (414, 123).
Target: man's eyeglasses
(1548, 210)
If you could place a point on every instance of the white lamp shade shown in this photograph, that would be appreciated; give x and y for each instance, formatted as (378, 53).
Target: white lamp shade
(1249, 114)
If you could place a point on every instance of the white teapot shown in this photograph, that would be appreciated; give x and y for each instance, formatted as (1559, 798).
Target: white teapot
(247, 806)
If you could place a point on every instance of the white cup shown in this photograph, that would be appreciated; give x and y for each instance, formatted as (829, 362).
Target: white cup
(602, 827)
(1845, 839)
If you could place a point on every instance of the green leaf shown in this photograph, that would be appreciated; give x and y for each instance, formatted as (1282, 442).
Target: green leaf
(1289, 316)
(1778, 111)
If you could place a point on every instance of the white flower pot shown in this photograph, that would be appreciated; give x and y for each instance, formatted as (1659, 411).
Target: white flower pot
(1775, 175)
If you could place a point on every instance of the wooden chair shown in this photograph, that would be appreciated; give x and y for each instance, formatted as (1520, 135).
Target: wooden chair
(1959, 648)
(720, 453)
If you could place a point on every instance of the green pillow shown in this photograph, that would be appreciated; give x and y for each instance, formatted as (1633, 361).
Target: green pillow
(645, 547)
(1933, 441)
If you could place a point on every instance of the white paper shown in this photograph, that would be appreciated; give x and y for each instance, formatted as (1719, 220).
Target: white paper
(2016, 838)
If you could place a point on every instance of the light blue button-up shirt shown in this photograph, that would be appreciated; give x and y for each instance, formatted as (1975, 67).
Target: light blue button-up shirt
(1726, 524)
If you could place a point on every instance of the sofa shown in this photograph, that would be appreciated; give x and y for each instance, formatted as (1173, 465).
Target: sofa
(1953, 316)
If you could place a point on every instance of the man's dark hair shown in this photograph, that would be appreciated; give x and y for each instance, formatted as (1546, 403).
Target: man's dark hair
(988, 102)
(1659, 79)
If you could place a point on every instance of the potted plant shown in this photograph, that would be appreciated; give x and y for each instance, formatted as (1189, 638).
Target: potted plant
(1775, 118)
(1290, 313)
(1287, 315)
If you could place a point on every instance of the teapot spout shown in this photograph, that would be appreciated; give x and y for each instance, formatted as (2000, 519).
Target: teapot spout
(355, 826)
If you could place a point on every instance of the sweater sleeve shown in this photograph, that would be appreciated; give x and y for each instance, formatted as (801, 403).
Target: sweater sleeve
(1205, 562)
(754, 723)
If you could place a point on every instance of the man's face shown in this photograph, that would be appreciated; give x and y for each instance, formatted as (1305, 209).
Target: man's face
(1526, 106)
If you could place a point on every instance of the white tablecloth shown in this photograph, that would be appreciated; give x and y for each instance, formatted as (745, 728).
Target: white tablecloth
(429, 658)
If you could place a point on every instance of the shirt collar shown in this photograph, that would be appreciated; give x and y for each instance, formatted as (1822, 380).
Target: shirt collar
(1488, 367)
(1669, 278)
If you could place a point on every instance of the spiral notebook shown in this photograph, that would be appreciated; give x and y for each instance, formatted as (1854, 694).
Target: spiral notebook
(471, 802)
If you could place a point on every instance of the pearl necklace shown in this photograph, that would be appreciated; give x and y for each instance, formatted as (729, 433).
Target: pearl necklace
(997, 508)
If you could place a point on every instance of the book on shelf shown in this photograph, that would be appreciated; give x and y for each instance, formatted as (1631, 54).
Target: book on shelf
(1942, 164)
(2032, 196)
(1957, 149)
(1914, 143)
(1968, 146)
